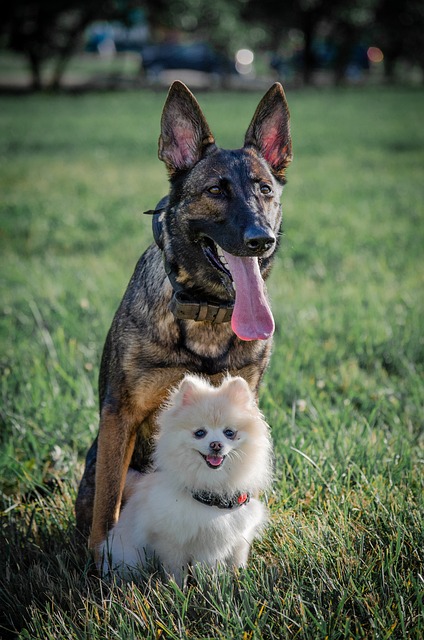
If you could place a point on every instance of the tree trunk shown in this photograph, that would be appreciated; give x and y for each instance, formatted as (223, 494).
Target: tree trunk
(35, 64)
(346, 39)
(70, 46)
(308, 54)
(390, 59)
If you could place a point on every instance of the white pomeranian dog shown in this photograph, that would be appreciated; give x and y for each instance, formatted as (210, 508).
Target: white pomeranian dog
(213, 455)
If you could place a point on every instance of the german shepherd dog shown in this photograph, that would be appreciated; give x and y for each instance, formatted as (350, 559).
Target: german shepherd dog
(196, 302)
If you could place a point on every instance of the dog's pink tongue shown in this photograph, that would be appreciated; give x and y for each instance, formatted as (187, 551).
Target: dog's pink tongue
(252, 318)
(215, 461)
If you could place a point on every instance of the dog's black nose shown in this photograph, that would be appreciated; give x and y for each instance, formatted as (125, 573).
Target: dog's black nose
(258, 240)
(216, 446)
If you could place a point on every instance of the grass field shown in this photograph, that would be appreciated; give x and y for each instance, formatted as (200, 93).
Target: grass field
(343, 555)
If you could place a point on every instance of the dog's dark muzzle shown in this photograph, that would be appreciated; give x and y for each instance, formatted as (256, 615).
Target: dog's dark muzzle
(255, 242)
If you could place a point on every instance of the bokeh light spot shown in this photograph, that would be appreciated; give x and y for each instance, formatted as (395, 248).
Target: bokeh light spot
(375, 55)
(244, 56)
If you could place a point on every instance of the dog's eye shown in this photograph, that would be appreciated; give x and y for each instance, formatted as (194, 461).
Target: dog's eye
(265, 189)
(200, 433)
(215, 190)
(230, 434)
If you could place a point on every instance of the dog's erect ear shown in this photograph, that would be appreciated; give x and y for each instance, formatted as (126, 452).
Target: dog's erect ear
(185, 134)
(188, 391)
(269, 131)
(238, 390)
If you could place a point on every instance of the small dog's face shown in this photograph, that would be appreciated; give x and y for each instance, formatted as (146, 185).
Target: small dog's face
(213, 437)
(215, 444)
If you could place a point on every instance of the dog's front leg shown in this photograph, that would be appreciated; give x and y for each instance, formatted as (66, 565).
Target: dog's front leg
(239, 555)
(115, 448)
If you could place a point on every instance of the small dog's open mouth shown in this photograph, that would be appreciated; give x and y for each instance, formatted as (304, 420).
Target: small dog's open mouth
(214, 462)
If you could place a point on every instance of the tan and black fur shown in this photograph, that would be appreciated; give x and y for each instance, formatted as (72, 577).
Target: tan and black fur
(215, 198)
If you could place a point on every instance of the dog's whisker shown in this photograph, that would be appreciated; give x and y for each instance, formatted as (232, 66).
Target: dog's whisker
(236, 453)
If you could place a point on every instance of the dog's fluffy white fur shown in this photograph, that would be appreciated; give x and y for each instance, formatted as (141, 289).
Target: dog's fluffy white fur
(213, 441)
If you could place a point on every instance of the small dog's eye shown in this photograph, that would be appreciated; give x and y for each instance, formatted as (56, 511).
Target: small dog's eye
(230, 434)
(215, 190)
(265, 189)
(200, 433)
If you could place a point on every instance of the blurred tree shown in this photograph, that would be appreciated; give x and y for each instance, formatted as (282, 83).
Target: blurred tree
(345, 20)
(52, 29)
(351, 21)
(218, 21)
(399, 32)
(45, 30)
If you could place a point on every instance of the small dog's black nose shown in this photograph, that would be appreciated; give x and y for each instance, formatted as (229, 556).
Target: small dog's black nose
(258, 240)
(216, 446)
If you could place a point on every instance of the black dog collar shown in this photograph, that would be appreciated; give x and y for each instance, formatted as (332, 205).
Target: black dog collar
(183, 305)
(221, 501)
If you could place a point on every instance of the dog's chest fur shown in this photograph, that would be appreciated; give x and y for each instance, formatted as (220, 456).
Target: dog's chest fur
(196, 531)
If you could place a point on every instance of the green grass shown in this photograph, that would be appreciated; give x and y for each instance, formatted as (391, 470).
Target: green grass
(343, 555)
